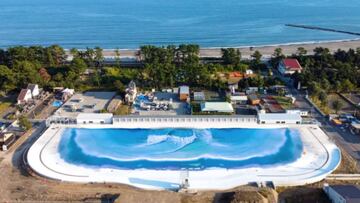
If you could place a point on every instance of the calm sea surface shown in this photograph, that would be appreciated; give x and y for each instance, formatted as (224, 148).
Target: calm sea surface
(210, 23)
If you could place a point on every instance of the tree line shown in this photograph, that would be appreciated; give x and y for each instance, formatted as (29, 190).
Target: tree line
(168, 66)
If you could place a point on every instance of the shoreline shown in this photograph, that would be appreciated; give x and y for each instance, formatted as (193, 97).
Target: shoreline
(265, 50)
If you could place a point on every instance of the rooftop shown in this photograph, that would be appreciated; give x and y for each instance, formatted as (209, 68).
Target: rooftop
(217, 107)
(88, 102)
(88, 116)
(279, 116)
(22, 94)
(184, 90)
(292, 64)
(238, 97)
(349, 192)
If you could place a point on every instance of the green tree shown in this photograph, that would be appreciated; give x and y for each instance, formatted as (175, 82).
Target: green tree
(337, 105)
(26, 72)
(78, 66)
(277, 57)
(231, 56)
(301, 51)
(347, 86)
(56, 55)
(119, 86)
(24, 123)
(74, 52)
(7, 79)
(117, 57)
(256, 58)
(323, 98)
(99, 57)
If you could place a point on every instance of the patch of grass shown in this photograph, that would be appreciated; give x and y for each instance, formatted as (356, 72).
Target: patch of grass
(123, 110)
(4, 106)
(285, 102)
(324, 109)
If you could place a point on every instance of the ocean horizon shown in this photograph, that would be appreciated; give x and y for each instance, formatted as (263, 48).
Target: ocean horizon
(128, 24)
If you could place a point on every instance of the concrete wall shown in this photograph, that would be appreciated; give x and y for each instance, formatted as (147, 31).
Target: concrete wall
(184, 121)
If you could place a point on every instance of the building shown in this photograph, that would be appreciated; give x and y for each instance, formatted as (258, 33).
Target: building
(199, 96)
(342, 193)
(94, 118)
(184, 93)
(289, 66)
(67, 93)
(355, 127)
(254, 99)
(131, 92)
(34, 88)
(238, 99)
(249, 72)
(251, 90)
(6, 139)
(235, 74)
(219, 107)
(279, 118)
(303, 113)
(24, 96)
(233, 86)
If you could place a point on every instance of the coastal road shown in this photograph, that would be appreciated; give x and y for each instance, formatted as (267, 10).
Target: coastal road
(342, 137)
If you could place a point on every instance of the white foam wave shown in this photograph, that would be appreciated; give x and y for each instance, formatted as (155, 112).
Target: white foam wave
(181, 141)
(156, 139)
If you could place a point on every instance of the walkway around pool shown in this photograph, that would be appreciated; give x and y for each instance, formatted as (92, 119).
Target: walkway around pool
(320, 157)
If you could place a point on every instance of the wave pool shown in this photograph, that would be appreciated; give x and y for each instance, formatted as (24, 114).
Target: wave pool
(176, 149)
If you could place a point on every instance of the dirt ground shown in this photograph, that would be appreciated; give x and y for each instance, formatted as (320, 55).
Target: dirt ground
(18, 186)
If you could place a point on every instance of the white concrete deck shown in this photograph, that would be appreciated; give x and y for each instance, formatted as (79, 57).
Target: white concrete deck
(320, 157)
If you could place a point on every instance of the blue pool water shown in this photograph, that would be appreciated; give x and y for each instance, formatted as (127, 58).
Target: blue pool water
(193, 149)
(57, 103)
(210, 23)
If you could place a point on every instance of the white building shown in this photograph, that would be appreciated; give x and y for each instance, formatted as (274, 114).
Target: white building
(279, 118)
(131, 92)
(24, 96)
(34, 88)
(221, 107)
(298, 111)
(249, 72)
(233, 87)
(238, 99)
(94, 118)
(342, 193)
(199, 96)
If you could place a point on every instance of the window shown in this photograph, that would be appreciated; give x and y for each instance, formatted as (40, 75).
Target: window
(84, 122)
(91, 122)
(282, 121)
(277, 122)
(102, 122)
(263, 122)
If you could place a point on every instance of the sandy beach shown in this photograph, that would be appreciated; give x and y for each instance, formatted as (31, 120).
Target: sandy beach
(266, 51)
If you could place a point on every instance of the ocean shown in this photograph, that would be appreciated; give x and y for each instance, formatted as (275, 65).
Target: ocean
(127, 24)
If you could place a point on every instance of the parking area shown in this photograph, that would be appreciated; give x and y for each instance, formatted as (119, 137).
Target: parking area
(88, 102)
(159, 103)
